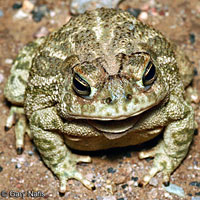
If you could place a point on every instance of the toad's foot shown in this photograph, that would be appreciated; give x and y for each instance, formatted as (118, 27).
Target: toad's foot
(67, 170)
(162, 163)
(170, 152)
(59, 158)
(53, 149)
(17, 116)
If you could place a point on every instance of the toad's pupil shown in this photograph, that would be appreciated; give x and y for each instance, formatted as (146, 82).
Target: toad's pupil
(80, 86)
(149, 74)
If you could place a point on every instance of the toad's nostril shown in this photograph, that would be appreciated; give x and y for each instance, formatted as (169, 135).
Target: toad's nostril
(108, 100)
(129, 96)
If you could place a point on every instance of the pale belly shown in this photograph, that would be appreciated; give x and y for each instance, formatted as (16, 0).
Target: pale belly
(107, 141)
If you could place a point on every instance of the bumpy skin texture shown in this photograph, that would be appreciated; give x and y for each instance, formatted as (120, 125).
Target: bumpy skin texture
(103, 80)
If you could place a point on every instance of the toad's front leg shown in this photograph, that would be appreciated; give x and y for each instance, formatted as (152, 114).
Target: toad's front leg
(170, 152)
(46, 127)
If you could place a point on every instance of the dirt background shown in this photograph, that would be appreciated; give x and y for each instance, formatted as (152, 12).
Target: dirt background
(115, 173)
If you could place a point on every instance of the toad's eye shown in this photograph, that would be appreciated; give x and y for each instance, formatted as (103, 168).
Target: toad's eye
(149, 75)
(80, 86)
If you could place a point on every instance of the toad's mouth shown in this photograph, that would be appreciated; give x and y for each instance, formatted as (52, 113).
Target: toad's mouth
(114, 126)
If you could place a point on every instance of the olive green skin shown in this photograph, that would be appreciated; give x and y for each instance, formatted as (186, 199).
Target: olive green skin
(110, 50)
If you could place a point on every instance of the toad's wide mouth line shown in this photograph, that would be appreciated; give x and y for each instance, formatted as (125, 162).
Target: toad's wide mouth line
(114, 126)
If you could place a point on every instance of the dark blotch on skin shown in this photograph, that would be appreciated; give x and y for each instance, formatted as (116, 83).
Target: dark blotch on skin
(129, 96)
(108, 100)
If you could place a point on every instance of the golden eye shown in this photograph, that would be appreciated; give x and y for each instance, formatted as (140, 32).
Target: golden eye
(149, 75)
(80, 86)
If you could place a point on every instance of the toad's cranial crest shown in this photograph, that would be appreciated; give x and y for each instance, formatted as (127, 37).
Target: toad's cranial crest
(102, 80)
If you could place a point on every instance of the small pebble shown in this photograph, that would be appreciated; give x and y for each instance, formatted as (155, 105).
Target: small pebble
(1, 78)
(27, 6)
(99, 198)
(18, 165)
(119, 179)
(21, 159)
(196, 132)
(134, 11)
(153, 182)
(143, 16)
(192, 38)
(26, 164)
(52, 13)
(1, 13)
(153, 12)
(109, 198)
(111, 170)
(152, 194)
(124, 186)
(134, 178)
(39, 12)
(80, 6)
(145, 7)
(8, 61)
(195, 162)
(195, 198)
(20, 14)
(42, 31)
(1, 168)
(89, 176)
(30, 153)
(17, 5)
(37, 16)
(21, 181)
(162, 13)
(175, 189)
(195, 183)
(167, 195)
(195, 71)
(173, 26)
(13, 160)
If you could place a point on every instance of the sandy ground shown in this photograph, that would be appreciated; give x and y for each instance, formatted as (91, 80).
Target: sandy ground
(115, 173)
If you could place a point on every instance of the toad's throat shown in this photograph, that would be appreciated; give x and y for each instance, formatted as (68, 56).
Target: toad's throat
(114, 126)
